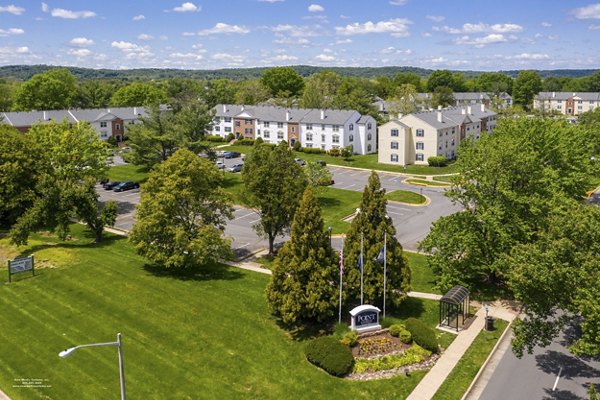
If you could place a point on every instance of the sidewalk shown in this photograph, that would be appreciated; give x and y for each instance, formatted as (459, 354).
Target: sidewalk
(429, 385)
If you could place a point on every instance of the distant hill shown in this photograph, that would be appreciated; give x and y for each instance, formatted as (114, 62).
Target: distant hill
(24, 72)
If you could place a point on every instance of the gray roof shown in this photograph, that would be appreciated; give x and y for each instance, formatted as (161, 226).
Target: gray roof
(589, 96)
(29, 118)
(454, 116)
(475, 96)
(280, 114)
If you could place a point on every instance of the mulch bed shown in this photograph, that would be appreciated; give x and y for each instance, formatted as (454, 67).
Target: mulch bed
(378, 344)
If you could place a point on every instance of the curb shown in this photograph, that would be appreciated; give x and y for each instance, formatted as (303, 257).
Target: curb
(486, 362)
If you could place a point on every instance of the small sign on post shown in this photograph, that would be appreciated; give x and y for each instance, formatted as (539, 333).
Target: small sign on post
(19, 265)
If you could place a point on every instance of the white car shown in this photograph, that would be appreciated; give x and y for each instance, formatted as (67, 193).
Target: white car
(220, 164)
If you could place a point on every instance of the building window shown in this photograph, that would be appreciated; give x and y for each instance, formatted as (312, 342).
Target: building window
(309, 126)
(351, 138)
(420, 146)
(452, 144)
(248, 122)
(369, 148)
(248, 131)
(580, 102)
(280, 125)
(227, 129)
(369, 136)
(217, 120)
(309, 136)
(131, 122)
(394, 145)
(103, 124)
(336, 128)
(322, 147)
(267, 134)
(441, 134)
(237, 123)
(103, 134)
(217, 128)
(227, 119)
(323, 127)
(453, 130)
(394, 132)
(117, 127)
(266, 124)
(420, 133)
(419, 156)
(309, 145)
(369, 125)
(322, 138)
(279, 135)
(335, 138)
(351, 127)
(394, 158)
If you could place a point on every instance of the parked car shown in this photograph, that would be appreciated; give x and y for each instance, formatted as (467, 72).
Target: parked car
(236, 168)
(103, 181)
(220, 164)
(300, 161)
(231, 154)
(121, 187)
(110, 185)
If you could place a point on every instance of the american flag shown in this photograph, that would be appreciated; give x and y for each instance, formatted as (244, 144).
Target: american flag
(342, 261)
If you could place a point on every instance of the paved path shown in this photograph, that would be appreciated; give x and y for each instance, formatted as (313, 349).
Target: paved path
(429, 385)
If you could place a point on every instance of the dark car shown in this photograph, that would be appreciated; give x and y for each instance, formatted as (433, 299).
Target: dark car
(299, 161)
(231, 154)
(236, 168)
(103, 181)
(121, 187)
(110, 185)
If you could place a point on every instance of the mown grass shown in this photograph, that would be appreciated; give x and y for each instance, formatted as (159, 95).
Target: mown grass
(337, 204)
(422, 279)
(447, 179)
(202, 335)
(405, 196)
(463, 374)
(128, 172)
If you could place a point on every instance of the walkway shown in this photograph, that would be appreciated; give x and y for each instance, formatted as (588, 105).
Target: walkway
(429, 385)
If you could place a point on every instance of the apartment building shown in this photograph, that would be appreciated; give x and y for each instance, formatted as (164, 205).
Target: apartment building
(108, 122)
(413, 138)
(313, 128)
(567, 103)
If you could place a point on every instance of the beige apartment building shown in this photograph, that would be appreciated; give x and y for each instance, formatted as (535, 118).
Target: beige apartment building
(567, 103)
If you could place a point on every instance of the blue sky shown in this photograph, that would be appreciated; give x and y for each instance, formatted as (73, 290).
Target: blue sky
(464, 35)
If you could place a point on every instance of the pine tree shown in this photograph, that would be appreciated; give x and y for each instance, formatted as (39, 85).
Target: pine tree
(303, 286)
(371, 222)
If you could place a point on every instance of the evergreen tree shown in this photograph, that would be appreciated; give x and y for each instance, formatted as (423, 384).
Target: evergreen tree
(371, 222)
(303, 287)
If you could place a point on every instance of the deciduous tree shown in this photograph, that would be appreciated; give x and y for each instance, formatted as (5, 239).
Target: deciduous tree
(525, 87)
(52, 90)
(182, 212)
(282, 79)
(138, 94)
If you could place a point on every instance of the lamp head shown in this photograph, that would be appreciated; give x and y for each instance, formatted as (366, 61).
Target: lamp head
(66, 353)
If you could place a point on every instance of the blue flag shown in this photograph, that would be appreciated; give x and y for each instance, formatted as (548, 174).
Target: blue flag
(359, 263)
(381, 256)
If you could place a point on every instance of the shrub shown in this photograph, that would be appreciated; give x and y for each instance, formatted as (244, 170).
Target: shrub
(437, 161)
(229, 137)
(413, 355)
(423, 335)
(258, 141)
(405, 336)
(349, 339)
(396, 329)
(347, 152)
(112, 141)
(297, 146)
(312, 150)
(214, 138)
(334, 152)
(328, 353)
(246, 142)
(340, 329)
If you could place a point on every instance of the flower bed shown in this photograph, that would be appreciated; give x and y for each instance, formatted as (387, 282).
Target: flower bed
(377, 345)
(414, 354)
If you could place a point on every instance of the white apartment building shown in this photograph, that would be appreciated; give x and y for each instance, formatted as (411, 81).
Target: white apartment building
(413, 138)
(567, 103)
(313, 128)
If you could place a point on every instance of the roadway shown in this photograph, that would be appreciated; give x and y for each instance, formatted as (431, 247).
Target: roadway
(412, 222)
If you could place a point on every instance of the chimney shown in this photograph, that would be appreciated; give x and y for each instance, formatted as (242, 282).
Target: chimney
(322, 114)
(242, 109)
(553, 94)
(463, 111)
(439, 107)
(482, 107)
(134, 110)
(108, 110)
(224, 108)
(468, 109)
(400, 115)
(439, 116)
(287, 115)
(44, 116)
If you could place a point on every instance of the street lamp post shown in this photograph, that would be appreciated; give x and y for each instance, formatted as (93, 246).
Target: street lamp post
(69, 351)
(330, 228)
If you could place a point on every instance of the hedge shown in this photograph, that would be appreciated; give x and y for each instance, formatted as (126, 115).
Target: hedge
(437, 161)
(313, 150)
(214, 138)
(328, 353)
(413, 355)
(423, 335)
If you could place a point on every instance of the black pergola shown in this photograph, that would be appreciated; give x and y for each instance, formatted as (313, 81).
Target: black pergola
(454, 307)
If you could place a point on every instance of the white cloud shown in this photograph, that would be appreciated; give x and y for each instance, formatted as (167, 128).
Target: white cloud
(285, 57)
(132, 50)
(221, 27)
(186, 56)
(23, 50)
(187, 7)
(139, 17)
(588, 12)
(81, 42)
(315, 8)
(397, 27)
(325, 57)
(435, 18)
(546, 24)
(506, 28)
(343, 41)
(11, 32)
(68, 14)
(469, 28)
(398, 2)
(12, 9)
(292, 41)
(229, 58)
(594, 27)
(45, 7)
(529, 56)
(393, 50)
(80, 53)
(145, 36)
(492, 38)
(296, 30)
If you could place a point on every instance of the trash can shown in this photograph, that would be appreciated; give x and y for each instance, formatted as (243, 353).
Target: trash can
(489, 324)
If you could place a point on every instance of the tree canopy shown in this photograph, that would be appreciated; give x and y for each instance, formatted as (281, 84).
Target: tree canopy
(280, 80)
(182, 212)
(52, 90)
(138, 94)
(525, 87)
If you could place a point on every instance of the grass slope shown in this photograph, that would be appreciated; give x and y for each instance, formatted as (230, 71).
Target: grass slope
(422, 278)
(207, 336)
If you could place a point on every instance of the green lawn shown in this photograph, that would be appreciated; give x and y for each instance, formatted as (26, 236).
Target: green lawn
(422, 278)
(368, 161)
(128, 172)
(447, 179)
(462, 375)
(335, 205)
(424, 182)
(405, 196)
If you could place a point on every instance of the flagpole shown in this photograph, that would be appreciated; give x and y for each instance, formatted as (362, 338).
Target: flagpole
(384, 268)
(341, 274)
(362, 268)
